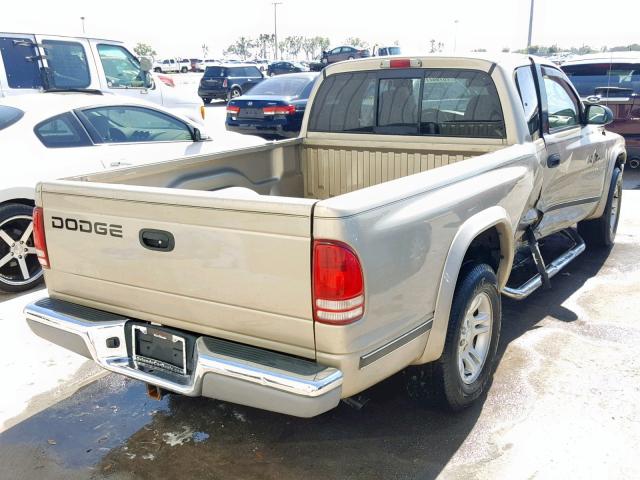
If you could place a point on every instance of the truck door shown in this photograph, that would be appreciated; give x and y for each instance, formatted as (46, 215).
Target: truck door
(68, 62)
(574, 165)
(120, 73)
(20, 66)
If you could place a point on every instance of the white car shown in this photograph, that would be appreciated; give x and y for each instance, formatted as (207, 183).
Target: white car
(52, 135)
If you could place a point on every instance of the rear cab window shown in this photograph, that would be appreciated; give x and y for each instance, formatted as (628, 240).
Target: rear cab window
(425, 102)
(9, 116)
(616, 79)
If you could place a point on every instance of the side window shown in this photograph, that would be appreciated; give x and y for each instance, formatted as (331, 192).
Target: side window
(21, 72)
(564, 110)
(398, 104)
(67, 64)
(236, 72)
(116, 124)
(9, 116)
(336, 51)
(62, 131)
(529, 97)
(345, 103)
(253, 72)
(120, 67)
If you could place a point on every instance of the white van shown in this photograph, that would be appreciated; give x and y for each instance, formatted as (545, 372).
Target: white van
(33, 62)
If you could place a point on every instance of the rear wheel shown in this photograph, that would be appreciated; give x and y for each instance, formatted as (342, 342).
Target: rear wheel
(601, 232)
(235, 92)
(206, 100)
(184, 69)
(465, 369)
(19, 266)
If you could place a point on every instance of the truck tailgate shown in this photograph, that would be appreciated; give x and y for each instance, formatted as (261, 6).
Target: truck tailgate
(239, 268)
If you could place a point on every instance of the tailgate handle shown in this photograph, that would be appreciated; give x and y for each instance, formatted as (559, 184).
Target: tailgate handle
(158, 240)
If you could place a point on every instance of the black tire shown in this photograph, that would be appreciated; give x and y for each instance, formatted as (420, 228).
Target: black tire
(184, 70)
(157, 70)
(206, 100)
(351, 58)
(601, 232)
(235, 92)
(441, 383)
(14, 219)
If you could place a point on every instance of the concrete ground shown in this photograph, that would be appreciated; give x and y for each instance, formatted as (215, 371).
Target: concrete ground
(565, 403)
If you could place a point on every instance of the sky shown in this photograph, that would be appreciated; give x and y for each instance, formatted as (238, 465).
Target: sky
(180, 28)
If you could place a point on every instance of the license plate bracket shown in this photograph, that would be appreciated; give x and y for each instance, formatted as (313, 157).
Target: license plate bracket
(158, 348)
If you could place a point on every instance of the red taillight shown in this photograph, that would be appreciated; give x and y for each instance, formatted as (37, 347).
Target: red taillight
(338, 283)
(168, 81)
(225, 83)
(400, 63)
(39, 239)
(280, 110)
(233, 110)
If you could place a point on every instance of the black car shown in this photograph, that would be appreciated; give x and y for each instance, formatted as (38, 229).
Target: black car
(228, 81)
(339, 54)
(279, 68)
(274, 108)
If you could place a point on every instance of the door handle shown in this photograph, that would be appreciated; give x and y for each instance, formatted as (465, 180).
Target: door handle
(119, 164)
(553, 160)
(158, 240)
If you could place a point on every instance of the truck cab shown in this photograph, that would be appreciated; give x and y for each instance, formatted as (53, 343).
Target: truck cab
(35, 63)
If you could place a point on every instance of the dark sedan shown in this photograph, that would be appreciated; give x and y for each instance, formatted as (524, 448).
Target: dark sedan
(280, 68)
(274, 108)
(339, 54)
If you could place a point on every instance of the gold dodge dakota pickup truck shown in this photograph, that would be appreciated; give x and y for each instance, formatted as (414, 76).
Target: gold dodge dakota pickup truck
(293, 275)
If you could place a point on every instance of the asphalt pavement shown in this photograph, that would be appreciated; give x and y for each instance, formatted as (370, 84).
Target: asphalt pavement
(564, 403)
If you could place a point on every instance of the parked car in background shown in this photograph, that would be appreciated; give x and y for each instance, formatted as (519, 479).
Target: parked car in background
(53, 135)
(262, 64)
(280, 68)
(168, 65)
(272, 109)
(386, 51)
(612, 79)
(33, 63)
(209, 62)
(228, 81)
(346, 52)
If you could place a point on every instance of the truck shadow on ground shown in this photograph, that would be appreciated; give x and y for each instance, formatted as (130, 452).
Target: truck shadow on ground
(112, 428)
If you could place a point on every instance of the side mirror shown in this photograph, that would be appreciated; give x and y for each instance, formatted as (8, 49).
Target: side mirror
(196, 134)
(598, 115)
(146, 64)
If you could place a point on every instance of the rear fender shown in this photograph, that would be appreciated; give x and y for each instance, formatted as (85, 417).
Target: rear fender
(492, 217)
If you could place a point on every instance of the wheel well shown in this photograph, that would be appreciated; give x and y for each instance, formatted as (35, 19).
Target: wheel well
(485, 248)
(621, 160)
(21, 201)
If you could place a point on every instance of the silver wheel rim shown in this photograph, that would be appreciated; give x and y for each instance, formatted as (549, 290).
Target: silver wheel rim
(18, 260)
(615, 208)
(475, 338)
(235, 93)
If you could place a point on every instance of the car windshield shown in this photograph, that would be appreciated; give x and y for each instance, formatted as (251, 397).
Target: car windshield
(9, 116)
(281, 86)
(213, 72)
(606, 79)
(393, 50)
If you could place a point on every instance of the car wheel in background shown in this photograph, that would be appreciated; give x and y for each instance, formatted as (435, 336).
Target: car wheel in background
(157, 70)
(272, 74)
(235, 92)
(206, 100)
(19, 266)
(184, 70)
(351, 57)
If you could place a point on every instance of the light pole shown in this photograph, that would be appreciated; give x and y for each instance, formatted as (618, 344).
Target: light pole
(275, 27)
(82, 20)
(530, 26)
(455, 35)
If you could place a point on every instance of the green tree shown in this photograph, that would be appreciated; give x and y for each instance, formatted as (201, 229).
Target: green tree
(294, 45)
(264, 44)
(356, 42)
(144, 50)
(242, 48)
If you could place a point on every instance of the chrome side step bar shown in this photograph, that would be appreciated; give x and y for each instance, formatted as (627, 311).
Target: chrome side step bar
(531, 285)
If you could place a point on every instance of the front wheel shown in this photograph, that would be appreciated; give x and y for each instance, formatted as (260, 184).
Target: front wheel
(19, 266)
(601, 232)
(465, 369)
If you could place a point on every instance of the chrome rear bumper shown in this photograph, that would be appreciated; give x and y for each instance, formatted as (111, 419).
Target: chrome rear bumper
(223, 370)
